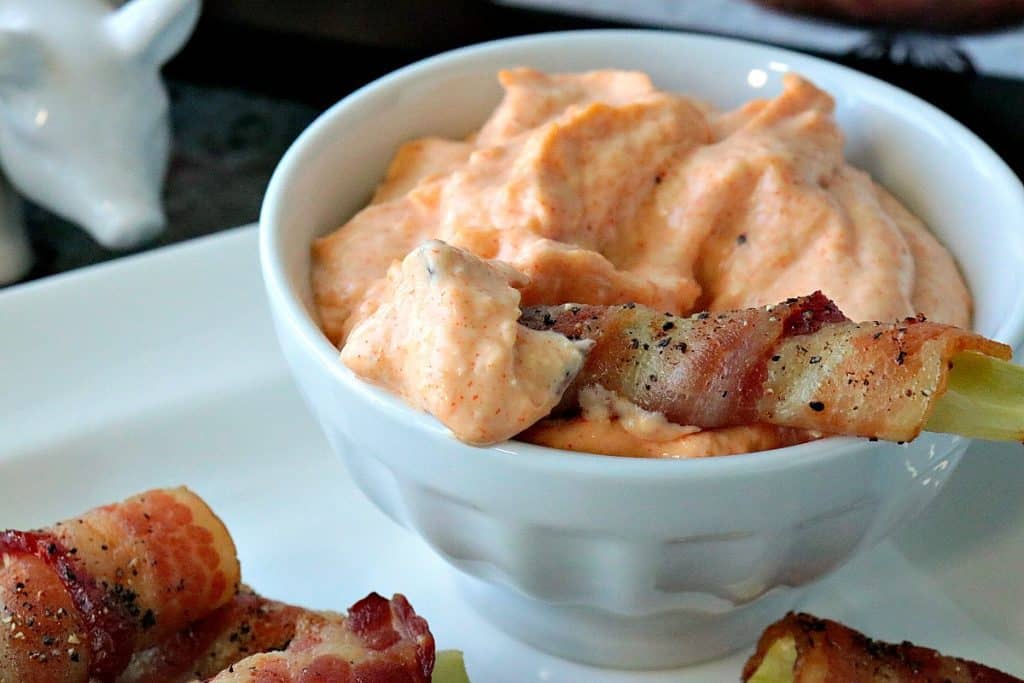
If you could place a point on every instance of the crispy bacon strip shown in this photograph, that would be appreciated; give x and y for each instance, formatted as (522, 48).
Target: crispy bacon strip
(77, 599)
(801, 648)
(250, 637)
(798, 364)
(379, 641)
(247, 625)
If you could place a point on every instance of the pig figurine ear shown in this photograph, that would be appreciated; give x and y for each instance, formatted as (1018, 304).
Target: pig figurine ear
(21, 59)
(153, 30)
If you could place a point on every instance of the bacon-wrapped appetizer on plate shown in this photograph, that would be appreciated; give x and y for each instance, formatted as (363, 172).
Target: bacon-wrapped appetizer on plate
(801, 648)
(799, 364)
(148, 591)
(379, 640)
(78, 598)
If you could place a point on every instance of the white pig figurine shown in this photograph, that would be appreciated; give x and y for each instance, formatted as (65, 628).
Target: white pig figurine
(83, 116)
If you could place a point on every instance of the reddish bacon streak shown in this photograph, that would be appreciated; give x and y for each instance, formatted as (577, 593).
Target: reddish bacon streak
(108, 628)
(809, 314)
(381, 623)
(803, 315)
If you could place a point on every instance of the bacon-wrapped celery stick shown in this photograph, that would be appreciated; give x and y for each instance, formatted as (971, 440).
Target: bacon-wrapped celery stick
(256, 639)
(799, 364)
(380, 640)
(801, 648)
(146, 591)
(77, 599)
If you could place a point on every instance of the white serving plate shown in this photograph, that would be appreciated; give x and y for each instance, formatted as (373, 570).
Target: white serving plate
(162, 369)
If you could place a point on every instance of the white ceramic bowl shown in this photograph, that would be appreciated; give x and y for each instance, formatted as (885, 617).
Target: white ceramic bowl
(616, 561)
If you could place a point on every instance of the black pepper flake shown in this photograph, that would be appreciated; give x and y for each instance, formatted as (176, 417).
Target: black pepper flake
(681, 346)
(575, 310)
(741, 238)
(872, 438)
(647, 387)
(52, 548)
(664, 342)
(148, 620)
(725, 393)
(634, 343)
(668, 326)
(815, 360)
(816, 406)
(703, 315)
(647, 347)
(548, 320)
(49, 640)
(658, 178)
(900, 357)
(653, 378)
(776, 358)
(74, 656)
(876, 335)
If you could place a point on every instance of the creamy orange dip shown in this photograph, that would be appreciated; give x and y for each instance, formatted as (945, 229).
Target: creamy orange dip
(599, 188)
(448, 336)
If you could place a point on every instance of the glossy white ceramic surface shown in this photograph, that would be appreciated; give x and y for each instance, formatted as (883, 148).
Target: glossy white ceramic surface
(622, 562)
(83, 115)
(181, 382)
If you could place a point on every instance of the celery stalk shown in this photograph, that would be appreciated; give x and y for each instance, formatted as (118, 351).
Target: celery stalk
(777, 665)
(449, 668)
(984, 399)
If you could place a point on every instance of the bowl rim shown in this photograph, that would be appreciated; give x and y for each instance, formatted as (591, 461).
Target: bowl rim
(288, 307)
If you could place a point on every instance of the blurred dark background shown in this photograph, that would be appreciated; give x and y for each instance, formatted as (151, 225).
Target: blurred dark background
(256, 72)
